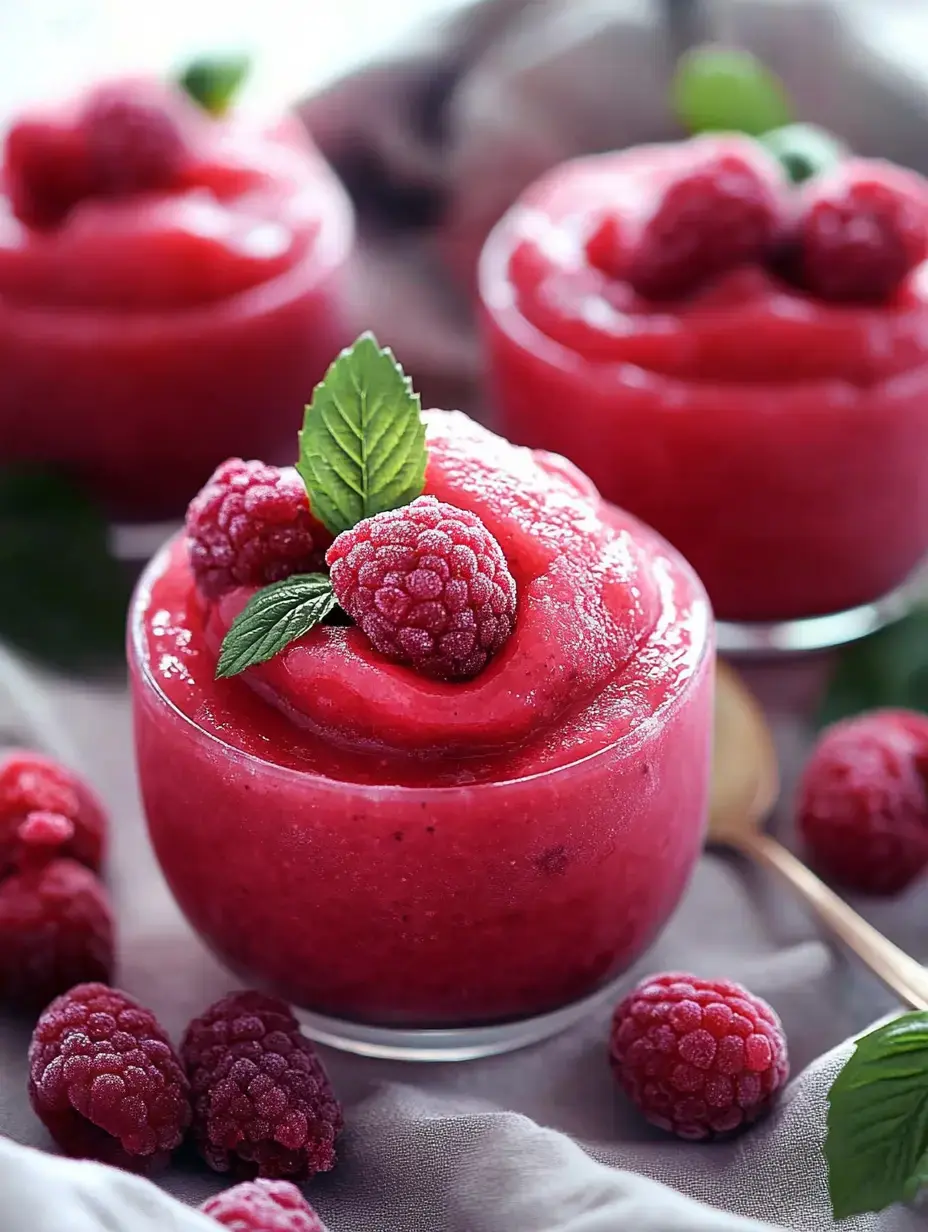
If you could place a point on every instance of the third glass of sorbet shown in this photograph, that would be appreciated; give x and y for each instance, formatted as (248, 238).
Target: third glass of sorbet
(778, 441)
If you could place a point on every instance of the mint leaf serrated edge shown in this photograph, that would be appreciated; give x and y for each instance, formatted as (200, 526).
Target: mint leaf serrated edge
(362, 446)
(213, 81)
(877, 1136)
(273, 618)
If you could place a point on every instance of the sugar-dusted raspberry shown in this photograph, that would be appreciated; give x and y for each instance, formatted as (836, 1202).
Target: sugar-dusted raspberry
(105, 1081)
(862, 807)
(699, 1057)
(263, 1206)
(251, 525)
(56, 930)
(31, 783)
(46, 170)
(262, 1102)
(722, 208)
(429, 586)
(134, 132)
(859, 231)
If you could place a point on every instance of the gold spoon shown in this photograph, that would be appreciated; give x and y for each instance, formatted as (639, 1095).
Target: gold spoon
(745, 785)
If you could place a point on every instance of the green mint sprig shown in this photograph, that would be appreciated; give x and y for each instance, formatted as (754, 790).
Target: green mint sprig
(361, 452)
(724, 89)
(214, 81)
(362, 447)
(877, 1140)
(274, 617)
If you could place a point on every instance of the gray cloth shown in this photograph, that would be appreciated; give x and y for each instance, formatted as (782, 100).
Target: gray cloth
(537, 1141)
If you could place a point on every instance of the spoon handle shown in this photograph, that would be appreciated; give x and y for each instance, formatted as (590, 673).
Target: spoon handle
(900, 972)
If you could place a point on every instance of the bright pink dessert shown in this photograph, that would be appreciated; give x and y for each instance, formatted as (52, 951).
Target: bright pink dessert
(168, 294)
(375, 844)
(779, 439)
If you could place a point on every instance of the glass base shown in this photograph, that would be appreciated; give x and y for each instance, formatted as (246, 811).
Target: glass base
(749, 640)
(448, 1044)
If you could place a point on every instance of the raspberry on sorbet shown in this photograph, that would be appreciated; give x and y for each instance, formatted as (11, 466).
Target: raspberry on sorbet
(700, 1058)
(250, 525)
(860, 230)
(722, 207)
(429, 586)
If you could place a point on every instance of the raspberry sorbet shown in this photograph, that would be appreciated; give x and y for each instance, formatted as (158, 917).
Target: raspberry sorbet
(170, 286)
(410, 850)
(771, 422)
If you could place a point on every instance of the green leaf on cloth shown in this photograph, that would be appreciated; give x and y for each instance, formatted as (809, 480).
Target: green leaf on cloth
(889, 668)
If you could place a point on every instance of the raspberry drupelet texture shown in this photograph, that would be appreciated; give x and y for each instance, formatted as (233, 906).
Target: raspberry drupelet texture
(429, 586)
(263, 1105)
(263, 1206)
(700, 1058)
(134, 138)
(105, 1081)
(56, 925)
(31, 783)
(860, 231)
(862, 807)
(251, 525)
(720, 210)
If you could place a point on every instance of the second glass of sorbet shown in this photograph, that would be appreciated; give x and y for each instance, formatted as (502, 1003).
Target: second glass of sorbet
(780, 442)
(149, 335)
(440, 870)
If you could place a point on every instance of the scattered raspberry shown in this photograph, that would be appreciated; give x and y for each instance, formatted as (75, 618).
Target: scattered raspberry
(429, 585)
(56, 930)
(251, 525)
(720, 210)
(263, 1206)
(31, 783)
(135, 142)
(699, 1057)
(262, 1102)
(863, 801)
(105, 1081)
(860, 231)
(46, 170)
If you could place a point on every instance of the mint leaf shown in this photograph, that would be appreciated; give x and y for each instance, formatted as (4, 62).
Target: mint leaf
(362, 447)
(273, 618)
(804, 150)
(878, 1119)
(721, 89)
(214, 81)
(889, 668)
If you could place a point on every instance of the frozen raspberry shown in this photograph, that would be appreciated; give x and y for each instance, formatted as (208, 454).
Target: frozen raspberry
(263, 1206)
(429, 586)
(699, 1057)
(721, 209)
(46, 170)
(135, 137)
(262, 1103)
(105, 1081)
(863, 801)
(56, 930)
(251, 525)
(860, 231)
(31, 783)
